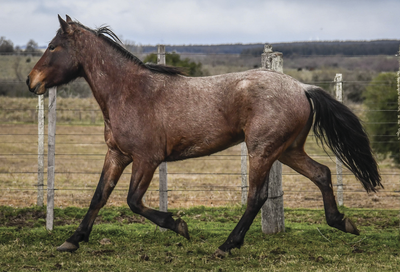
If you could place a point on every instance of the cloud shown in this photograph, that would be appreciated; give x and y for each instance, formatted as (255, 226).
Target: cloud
(207, 21)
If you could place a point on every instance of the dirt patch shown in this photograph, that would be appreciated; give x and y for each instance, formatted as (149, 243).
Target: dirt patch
(30, 218)
(23, 219)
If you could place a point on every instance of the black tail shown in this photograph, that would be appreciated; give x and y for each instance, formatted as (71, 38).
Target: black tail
(341, 130)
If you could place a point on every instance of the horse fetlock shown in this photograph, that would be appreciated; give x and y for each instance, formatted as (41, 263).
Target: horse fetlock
(181, 228)
(68, 247)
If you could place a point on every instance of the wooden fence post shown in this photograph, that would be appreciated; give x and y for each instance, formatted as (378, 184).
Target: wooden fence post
(272, 215)
(163, 174)
(339, 165)
(40, 150)
(51, 157)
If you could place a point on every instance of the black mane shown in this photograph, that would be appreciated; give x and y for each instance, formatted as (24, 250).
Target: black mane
(112, 39)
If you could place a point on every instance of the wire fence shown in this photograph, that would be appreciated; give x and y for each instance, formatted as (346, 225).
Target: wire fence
(211, 181)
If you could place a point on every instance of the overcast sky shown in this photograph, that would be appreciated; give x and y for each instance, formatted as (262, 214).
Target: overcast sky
(206, 21)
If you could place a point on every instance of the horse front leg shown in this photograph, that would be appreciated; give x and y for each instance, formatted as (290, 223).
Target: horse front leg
(142, 174)
(114, 164)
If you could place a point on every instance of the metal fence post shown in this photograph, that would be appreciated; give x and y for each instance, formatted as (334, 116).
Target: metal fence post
(40, 150)
(272, 215)
(339, 165)
(51, 157)
(163, 174)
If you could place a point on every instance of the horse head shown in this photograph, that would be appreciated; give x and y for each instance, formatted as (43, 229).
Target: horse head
(59, 64)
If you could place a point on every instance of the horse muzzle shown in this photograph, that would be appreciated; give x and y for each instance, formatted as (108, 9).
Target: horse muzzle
(35, 86)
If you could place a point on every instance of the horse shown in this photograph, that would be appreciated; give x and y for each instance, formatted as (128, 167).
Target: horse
(154, 113)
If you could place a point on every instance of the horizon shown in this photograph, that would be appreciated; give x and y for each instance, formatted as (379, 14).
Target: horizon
(256, 43)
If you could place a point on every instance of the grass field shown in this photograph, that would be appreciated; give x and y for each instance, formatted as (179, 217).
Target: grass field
(121, 241)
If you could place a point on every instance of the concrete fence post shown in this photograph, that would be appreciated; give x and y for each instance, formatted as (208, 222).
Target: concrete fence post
(272, 215)
(398, 96)
(40, 184)
(163, 174)
(398, 103)
(339, 165)
(51, 150)
(243, 161)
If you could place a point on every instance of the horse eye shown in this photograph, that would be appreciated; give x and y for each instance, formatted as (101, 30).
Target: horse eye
(51, 47)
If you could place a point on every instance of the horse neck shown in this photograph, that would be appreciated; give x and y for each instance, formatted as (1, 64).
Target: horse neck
(106, 72)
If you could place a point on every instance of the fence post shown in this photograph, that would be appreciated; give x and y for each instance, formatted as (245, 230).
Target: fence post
(40, 150)
(339, 165)
(398, 102)
(272, 215)
(92, 117)
(163, 174)
(398, 96)
(51, 157)
(243, 160)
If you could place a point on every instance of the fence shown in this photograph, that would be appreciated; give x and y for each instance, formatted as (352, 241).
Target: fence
(80, 152)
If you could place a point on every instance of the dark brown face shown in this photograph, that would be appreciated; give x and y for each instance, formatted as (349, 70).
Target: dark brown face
(59, 64)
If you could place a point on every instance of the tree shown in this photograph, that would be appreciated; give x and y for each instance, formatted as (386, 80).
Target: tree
(31, 47)
(174, 59)
(381, 100)
(6, 46)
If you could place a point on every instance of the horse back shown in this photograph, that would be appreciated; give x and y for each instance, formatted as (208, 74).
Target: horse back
(204, 115)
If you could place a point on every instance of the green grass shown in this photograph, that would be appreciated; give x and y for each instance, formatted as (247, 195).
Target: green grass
(137, 245)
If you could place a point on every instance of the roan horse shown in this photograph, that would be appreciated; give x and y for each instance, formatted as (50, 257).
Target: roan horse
(153, 113)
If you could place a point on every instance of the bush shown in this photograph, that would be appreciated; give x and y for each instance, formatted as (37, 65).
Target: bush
(174, 59)
(381, 100)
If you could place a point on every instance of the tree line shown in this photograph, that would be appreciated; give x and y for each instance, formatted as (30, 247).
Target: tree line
(7, 47)
(345, 48)
(350, 48)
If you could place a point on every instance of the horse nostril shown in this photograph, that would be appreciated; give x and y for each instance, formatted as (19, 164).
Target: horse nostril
(28, 81)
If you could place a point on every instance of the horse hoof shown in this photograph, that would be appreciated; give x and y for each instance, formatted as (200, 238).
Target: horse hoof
(350, 227)
(182, 228)
(67, 247)
(220, 254)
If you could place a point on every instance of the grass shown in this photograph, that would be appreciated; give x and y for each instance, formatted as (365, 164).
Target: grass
(123, 242)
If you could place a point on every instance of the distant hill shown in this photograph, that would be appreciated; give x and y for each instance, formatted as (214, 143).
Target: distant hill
(346, 48)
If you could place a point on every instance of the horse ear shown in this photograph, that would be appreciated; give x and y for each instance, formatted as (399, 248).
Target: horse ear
(68, 19)
(66, 28)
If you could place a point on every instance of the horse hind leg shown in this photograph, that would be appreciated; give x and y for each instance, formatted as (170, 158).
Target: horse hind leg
(260, 166)
(320, 174)
(142, 173)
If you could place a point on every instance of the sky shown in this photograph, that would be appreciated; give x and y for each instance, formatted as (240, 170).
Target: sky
(184, 22)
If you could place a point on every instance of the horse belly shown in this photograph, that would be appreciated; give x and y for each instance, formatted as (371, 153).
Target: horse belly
(203, 145)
